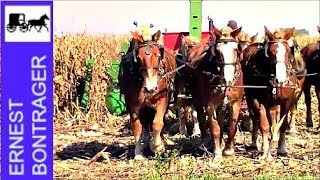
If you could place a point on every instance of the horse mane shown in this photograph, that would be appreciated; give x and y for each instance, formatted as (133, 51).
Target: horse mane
(278, 35)
(145, 32)
(190, 40)
(243, 36)
(226, 33)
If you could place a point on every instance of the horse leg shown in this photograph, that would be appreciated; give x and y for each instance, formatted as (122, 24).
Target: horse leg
(215, 132)
(264, 127)
(181, 117)
(146, 136)
(196, 127)
(182, 121)
(157, 144)
(201, 116)
(221, 120)
(317, 89)
(137, 131)
(40, 28)
(254, 132)
(282, 149)
(30, 27)
(307, 98)
(293, 116)
(234, 115)
(254, 116)
(275, 132)
(46, 27)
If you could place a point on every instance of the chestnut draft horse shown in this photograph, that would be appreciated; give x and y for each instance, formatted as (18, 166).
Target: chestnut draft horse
(214, 86)
(185, 109)
(146, 80)
(311, 55)
(274, 79)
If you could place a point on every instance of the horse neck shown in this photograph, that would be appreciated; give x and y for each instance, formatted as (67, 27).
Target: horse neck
(42, 18)
(169, 61)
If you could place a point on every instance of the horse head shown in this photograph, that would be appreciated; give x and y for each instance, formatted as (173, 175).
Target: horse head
(277, 51)
(226, 51)
(149, 55)
(245, 40)
(318, 29)
(44, 17)
(193, 49)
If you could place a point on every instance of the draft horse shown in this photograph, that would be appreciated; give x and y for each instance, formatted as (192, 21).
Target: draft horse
(276, 86)
(217, 86)
(39, 22)
(311, 56)
(185, 109)
(146, 78)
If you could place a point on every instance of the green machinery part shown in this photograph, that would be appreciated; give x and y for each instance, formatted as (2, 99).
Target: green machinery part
(85, 97)
(115, 101)
(195, 23)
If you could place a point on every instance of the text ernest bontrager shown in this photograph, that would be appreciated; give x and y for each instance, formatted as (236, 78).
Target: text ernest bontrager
(17, 119)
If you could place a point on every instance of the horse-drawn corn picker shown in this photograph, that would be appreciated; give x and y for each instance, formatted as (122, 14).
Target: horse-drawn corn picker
(171, 41)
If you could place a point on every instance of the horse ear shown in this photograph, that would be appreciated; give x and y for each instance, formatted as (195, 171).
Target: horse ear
(318, 29)
(268, 33)
(136, 36)
(253, 38)
(182, 37)
(236, 32)
(216, 31)
(156, 36)
(289, 34)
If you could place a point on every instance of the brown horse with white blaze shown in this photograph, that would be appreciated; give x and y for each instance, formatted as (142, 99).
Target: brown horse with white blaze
(146, 80)
(216, 75)
(270, 71)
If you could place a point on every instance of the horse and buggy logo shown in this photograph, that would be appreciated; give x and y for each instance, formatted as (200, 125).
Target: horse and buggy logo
(19, 20)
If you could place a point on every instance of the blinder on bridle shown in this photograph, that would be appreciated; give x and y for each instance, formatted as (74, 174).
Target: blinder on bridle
(244, 43)
(267, 44)
(148, 51)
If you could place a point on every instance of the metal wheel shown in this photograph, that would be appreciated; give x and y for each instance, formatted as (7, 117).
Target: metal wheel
(24, 27)
(11, 28)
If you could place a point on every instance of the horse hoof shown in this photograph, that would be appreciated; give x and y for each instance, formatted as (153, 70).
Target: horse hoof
(139, 157)
(157, 149)
(292, 133)
(218, 157)
(169, 142)
(228, 152)
(269, 159)
(266, 158)
(194, 135)
(282, 154)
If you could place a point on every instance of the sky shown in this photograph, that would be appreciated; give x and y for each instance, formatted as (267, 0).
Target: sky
(117, 16)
